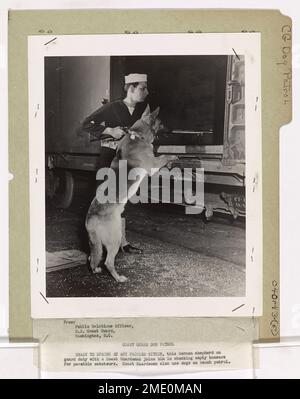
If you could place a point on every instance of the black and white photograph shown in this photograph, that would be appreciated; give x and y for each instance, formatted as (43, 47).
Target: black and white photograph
(145, 152)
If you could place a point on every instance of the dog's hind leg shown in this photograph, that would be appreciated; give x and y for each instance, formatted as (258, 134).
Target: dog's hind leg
(112, 250)
(96, 252)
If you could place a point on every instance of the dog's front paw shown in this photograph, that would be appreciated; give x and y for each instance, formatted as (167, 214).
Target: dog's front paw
(171, 159)
(97, 270)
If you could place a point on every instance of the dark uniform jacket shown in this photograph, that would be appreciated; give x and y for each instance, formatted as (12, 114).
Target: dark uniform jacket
(112, 114)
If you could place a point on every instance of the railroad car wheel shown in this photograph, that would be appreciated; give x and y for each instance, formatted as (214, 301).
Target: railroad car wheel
(60, 187)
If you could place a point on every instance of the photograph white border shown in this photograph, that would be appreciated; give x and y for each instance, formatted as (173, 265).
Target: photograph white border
(247, 44)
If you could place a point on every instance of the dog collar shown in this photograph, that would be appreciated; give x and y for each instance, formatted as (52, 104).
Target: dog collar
(133, 135)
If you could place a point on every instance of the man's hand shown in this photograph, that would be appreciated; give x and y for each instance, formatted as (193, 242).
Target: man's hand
(115, 132)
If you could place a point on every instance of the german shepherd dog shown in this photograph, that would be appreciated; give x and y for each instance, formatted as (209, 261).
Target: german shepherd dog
(103, 220)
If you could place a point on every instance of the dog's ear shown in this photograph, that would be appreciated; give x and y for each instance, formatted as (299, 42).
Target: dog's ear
(154, 114)
(146, 117)
(149, 117)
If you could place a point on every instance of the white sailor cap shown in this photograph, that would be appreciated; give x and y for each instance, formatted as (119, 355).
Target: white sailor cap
(135, 78)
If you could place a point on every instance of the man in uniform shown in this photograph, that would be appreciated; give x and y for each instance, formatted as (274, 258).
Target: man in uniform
(110, 121)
